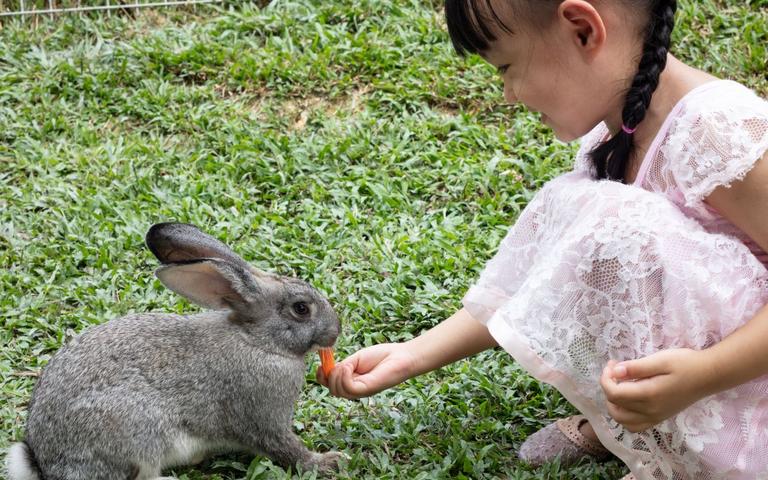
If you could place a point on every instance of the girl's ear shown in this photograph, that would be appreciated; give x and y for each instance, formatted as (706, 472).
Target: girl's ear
(584, 26)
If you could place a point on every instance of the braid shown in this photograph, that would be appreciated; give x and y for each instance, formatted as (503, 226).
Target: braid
(612, 156)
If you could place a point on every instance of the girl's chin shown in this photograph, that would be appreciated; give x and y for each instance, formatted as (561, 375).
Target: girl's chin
(561, 134)
(565, 137)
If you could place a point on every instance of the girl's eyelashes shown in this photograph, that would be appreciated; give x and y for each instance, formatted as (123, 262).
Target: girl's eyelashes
(502, 69)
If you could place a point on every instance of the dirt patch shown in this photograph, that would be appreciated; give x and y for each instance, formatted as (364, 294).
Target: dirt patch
(259, 104)
(447, 110)
(300, 109)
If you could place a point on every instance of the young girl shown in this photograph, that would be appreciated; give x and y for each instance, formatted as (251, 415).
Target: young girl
(650, 253)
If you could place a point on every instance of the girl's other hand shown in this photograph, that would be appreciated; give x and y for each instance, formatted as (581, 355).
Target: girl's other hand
(644, 392)
(370, 370)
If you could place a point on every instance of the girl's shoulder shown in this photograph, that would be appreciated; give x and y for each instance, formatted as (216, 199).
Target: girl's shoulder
(717, 95)
(723, 107)
(713, 137)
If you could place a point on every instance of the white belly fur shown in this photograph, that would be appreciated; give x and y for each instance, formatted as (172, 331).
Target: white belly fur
(190, 450)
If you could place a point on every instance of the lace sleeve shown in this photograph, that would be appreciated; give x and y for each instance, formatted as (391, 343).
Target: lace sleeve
(716, 142)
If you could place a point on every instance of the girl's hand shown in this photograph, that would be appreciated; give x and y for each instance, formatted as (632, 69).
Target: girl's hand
(644, 392)
(370, 370)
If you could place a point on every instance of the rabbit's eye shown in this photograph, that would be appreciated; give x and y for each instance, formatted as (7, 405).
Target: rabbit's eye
(301, 308)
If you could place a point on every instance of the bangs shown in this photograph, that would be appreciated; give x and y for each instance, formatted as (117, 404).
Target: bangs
(467, 22)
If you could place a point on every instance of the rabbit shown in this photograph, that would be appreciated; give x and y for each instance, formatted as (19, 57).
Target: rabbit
(128, 398)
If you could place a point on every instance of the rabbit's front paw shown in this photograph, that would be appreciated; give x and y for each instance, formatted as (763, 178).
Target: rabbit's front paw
(327, 462)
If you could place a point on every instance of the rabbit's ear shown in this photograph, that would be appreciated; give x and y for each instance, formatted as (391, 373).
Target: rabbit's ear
(181, 242)
(211, 283)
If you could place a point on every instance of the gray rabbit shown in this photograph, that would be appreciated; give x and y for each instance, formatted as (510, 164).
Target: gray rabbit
(144, 392)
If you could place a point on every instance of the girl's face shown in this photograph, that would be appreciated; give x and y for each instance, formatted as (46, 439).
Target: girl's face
(562, 72)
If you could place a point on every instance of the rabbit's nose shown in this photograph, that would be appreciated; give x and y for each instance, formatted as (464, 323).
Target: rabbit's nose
(336, 327)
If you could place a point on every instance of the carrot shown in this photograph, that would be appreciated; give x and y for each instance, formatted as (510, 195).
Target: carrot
(326, 360)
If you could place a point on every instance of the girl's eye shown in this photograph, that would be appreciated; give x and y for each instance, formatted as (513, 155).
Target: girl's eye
(502, 69)
(300, 308)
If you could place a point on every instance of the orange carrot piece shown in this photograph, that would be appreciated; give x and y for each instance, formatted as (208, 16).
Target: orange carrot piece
(326, 360)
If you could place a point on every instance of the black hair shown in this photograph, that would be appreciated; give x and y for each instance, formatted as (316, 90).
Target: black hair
(469, 34)
(612, 156)
(466, 20)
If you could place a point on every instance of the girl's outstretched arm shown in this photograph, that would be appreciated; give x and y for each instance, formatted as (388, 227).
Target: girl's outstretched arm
(667, 382)
(376, 368)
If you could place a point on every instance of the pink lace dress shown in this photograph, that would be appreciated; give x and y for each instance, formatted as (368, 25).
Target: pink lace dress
(597, 270)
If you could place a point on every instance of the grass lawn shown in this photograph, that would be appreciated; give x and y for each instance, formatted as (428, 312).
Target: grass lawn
(339, 141)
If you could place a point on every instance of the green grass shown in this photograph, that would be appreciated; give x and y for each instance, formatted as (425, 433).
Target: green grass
(342, 142)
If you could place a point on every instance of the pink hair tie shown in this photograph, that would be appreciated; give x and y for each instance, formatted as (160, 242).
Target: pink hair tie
(627, 130)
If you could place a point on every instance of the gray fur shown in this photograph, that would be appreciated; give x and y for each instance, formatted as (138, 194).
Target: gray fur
(128, 398)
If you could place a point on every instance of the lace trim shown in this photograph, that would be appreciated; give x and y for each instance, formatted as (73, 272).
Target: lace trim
(699, 192)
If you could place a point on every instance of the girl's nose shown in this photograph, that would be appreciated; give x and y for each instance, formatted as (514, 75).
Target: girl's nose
(509, 94)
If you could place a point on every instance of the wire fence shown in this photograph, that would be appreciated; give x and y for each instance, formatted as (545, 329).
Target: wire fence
(24, 8)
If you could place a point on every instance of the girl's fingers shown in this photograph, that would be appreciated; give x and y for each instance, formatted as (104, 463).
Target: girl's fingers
(616, 373)
(320, 376)
(635, 404)
(628, 394)
(632, 421)
(366, 360)
(340, 382)
(620, 413)
(355, 385)
(336, 381)
(344, 382)
(359, 374)
(609, 383)
(650, 366)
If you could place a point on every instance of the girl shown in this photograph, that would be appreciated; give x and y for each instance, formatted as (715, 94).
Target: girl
(650, 253)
